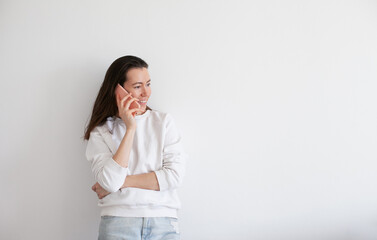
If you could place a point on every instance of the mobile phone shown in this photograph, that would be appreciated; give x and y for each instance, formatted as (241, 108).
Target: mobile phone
(121, 93)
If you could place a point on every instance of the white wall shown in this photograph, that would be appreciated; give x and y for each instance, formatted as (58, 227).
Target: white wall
(276, 101)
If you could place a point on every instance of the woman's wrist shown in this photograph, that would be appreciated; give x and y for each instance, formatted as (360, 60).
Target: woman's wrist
(127, 182)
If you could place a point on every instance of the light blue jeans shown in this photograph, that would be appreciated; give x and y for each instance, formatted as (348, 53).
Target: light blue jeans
(138, 228)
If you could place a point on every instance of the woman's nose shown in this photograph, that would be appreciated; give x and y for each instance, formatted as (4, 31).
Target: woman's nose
(143, 91)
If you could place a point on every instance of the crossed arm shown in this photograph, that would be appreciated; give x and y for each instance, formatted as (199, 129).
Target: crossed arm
(145, 181)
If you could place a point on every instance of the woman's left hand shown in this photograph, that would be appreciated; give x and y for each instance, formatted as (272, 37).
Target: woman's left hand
(101, 192)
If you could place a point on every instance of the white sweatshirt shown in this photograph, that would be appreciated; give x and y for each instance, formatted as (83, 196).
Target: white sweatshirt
(157, 147)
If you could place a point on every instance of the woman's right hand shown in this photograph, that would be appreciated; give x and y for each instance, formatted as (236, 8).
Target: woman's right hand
(124, 111)
(101, 192)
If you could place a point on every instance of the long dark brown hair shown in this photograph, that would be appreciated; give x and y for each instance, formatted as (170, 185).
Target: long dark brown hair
(105, 105)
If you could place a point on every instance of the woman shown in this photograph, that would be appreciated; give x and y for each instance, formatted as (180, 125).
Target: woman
(136, 157)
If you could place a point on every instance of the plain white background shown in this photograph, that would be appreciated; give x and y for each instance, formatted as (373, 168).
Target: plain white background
(276, 102)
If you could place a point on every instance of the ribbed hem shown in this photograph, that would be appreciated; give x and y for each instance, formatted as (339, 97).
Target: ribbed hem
(139, 212)
(161, 179)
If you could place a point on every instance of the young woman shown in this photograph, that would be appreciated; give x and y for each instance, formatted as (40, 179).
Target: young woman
(136, 157)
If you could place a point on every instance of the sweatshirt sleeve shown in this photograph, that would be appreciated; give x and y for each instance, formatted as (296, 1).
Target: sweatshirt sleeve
(174, 158)
(108, 173)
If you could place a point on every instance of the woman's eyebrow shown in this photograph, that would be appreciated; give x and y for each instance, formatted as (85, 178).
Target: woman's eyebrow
(141, 82)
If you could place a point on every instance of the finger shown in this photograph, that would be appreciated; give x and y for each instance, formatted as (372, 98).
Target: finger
(128, 103)
(94, 187)
(135, 110)
(124, 99)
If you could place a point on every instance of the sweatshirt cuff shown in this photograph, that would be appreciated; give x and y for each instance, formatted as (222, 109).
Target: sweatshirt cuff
(114, 175)
(162, 181)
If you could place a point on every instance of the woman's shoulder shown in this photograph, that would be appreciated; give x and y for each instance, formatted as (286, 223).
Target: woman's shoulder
(99, 130)
(105, 127)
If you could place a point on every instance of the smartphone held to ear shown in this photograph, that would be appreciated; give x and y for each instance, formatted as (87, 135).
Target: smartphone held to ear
(120, 92)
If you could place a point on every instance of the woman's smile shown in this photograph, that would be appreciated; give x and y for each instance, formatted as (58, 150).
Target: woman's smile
(143, 102)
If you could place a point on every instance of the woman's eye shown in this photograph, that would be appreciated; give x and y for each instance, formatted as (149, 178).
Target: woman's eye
(137, 87)
(148, 84)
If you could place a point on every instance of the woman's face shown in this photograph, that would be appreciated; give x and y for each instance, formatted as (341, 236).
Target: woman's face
(138, 84)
